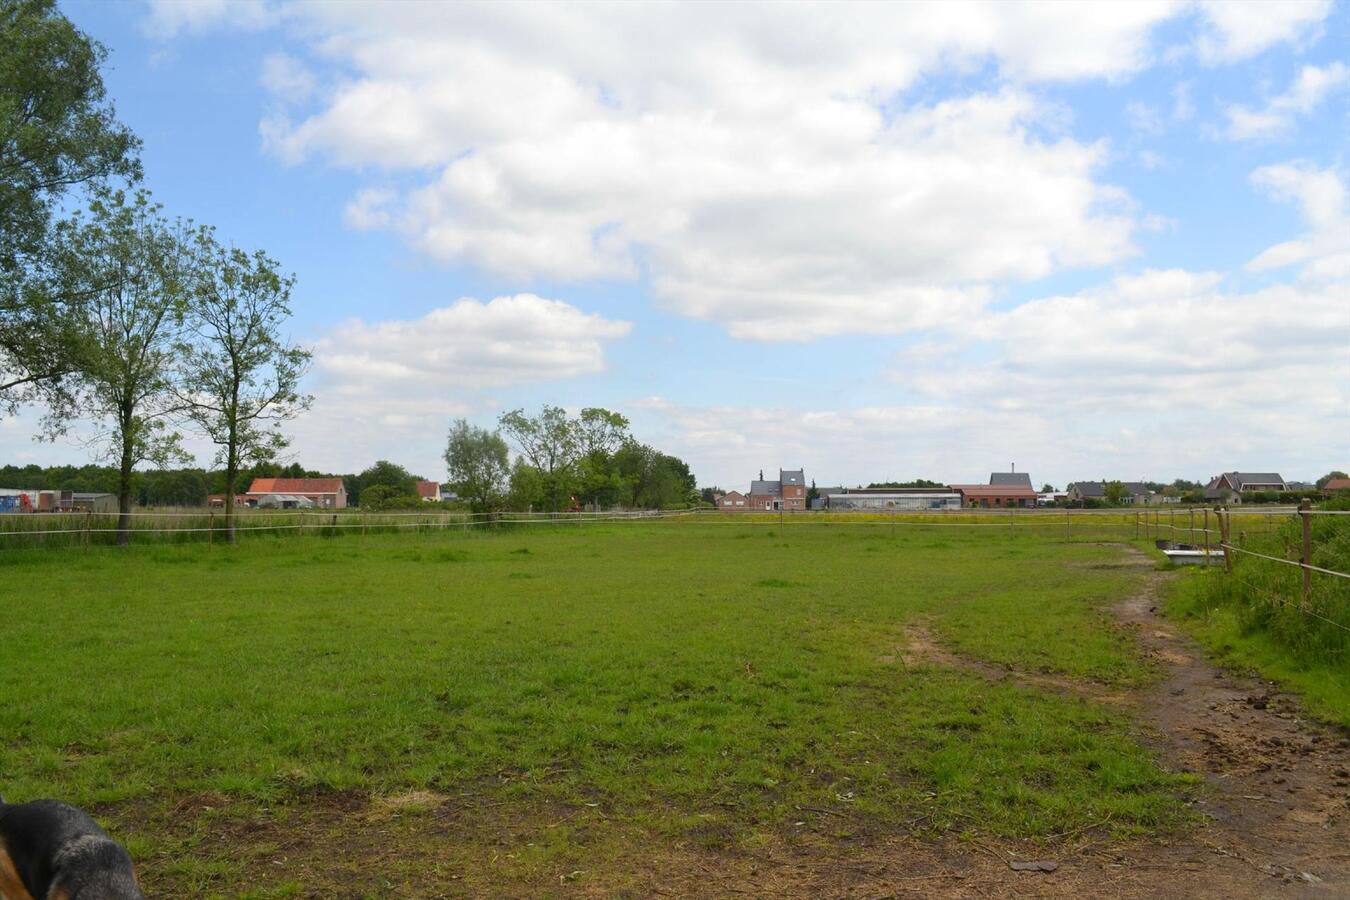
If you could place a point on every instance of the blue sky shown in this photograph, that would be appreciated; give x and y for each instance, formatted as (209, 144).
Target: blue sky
(876, 242)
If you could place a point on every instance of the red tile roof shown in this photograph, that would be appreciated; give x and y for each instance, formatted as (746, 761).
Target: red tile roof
(994, 490)
(295, 486)
(429, 490)
(1338, 484)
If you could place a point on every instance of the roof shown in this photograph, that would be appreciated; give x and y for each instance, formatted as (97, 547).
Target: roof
(1240, 480)
(429, 490)
(296, 486)
(766, 487)
(732, 494)
(1098, 488)
(791, 476)
(1338, 484)
(993, 490)
(1009, 479)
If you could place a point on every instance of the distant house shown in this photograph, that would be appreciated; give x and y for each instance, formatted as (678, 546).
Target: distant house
(1136, 493)
(429, 491)
(1011, 496)
(788, 492)
(448, 494)
(1005, 490)
(1337, 484)
(1230, 486)
(285, 493)
(1010, 479)
(733, 500)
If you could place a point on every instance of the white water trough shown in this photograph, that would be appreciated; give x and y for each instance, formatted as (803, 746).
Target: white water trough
(1190, 555)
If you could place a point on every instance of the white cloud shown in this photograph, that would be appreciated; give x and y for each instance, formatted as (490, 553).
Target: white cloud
(1143, 118)
(1307, 92)
(391, 388)
(369, 209)
(470, 344)
(759, 180)
(1324, 250)
(287, 78)
(1239, 29)
(169, 18)
(1159, 375)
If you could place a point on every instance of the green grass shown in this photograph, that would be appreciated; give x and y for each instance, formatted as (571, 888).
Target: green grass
(678, 673)
(1219, 612)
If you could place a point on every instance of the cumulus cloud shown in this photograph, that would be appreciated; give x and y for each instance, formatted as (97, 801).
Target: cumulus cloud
(759, 180)
(287, 78)
(470, 344)
(1324, 250)
(169, 18)
(1162, 374)
(1239, 29)
(1309, 89)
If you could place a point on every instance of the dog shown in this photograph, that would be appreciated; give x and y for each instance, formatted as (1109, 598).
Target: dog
(54, 851)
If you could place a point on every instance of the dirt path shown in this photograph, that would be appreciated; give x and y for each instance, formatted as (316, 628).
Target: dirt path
(1280, 798)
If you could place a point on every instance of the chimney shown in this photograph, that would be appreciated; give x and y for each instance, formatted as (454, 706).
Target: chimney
(1014, 467)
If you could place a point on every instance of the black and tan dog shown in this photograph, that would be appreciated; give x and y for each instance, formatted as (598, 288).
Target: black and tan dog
(53, 851)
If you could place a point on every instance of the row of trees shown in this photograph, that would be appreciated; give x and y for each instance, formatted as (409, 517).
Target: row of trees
(118, 315)
(590, 461)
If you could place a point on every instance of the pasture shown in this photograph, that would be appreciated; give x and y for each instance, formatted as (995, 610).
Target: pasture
(519, 709)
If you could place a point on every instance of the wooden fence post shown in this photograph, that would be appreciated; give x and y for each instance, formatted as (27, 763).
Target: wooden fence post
(1224, 527)
(211, 528)
(1305, 512)
(88, 514)
(1207, 537)
(1068, 533)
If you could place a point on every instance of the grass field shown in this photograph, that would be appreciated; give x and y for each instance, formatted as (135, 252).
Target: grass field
(704, 681)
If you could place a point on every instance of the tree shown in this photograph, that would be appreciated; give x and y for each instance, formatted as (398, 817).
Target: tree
(550, 443)
(131, 269)
(1114, 492)
(399, 480)
(812, 494)
(476, 463)
(1322, 482)
(600, 432)
(57, 132)
(1047, 488)
(239, 377)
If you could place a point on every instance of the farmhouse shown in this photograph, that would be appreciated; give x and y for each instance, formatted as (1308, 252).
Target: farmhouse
(1136, 494)
(1337, 484)
(429, 491)
(285, 493)
(732, 500)
(1230, 486)
(788, 492)
(1004, 490)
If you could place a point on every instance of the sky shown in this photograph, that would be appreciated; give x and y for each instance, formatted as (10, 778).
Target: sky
(873, 241)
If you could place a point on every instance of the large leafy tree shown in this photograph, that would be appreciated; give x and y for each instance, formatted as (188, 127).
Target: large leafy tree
(57, 132)
(239, 377)
(476, 461)
(549, 442)
(132, 271)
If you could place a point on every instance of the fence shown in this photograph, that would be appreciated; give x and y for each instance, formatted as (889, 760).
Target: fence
(84, 529)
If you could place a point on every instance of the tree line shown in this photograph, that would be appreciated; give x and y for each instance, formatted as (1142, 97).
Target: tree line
(383, 485)
(590, 461)
(117, 315)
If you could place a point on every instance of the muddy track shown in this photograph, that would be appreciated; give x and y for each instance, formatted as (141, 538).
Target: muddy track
(1279, 798)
